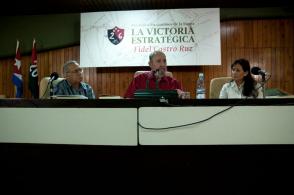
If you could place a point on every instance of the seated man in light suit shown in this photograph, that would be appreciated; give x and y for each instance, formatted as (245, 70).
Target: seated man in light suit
(72, 84)
(156, 78)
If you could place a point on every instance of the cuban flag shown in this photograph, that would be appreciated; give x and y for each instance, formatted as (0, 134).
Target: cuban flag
(17, 77)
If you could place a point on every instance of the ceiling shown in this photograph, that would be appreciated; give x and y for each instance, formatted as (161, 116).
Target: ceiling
(32, 7)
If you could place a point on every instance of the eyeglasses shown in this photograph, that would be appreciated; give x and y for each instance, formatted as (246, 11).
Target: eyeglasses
(78, 70)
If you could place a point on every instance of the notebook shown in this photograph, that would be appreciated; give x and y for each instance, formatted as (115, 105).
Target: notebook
(69, 97)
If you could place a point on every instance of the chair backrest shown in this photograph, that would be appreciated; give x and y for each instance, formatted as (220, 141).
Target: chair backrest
(216, 85)
(44, 91)
(167, 73)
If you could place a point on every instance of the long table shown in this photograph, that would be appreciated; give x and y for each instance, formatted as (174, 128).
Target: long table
(142, 122)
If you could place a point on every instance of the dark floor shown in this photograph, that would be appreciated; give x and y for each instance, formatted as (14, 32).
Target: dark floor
(38, 168)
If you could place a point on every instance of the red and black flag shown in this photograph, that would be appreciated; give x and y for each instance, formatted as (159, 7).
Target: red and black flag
(33, 75)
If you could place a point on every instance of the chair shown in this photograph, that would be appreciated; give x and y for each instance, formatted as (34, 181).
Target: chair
(216, 86)
(167, 73)
(44, 91)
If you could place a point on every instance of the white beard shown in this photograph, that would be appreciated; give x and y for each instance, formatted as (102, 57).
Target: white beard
(159, 73)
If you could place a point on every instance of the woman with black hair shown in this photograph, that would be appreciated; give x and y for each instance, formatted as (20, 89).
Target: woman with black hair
(242, 84)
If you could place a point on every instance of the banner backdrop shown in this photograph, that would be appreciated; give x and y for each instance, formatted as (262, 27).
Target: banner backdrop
(126, 38)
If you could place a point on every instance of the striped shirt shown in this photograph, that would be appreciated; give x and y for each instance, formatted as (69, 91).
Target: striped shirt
(64, 88)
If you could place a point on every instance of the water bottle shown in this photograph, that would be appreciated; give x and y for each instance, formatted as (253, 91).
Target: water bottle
(200, 87)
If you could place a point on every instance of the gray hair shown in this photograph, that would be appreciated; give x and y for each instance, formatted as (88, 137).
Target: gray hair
(151, 56)
(66, 64)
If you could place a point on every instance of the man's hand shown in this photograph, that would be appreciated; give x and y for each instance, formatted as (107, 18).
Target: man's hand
(183, 94)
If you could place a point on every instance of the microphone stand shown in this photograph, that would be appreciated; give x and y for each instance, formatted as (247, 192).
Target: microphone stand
(263, 85)
(51, 90)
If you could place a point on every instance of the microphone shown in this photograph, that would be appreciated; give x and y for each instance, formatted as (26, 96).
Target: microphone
(156, 73)
(53, 77)
(257, 71)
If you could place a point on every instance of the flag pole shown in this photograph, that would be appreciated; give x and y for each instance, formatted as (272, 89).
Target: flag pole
(16, 49)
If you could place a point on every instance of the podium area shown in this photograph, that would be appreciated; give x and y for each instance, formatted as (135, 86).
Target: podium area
(126, 122)
(100, 145)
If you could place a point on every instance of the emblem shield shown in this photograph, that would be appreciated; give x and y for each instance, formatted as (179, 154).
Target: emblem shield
(115, 35)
